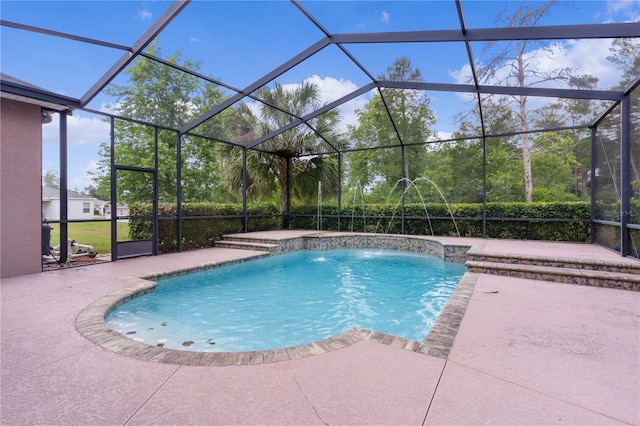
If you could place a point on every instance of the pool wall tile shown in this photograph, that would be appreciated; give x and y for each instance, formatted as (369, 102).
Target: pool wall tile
(218, 359)
(275, 355)
(332, 241)
(231, 358)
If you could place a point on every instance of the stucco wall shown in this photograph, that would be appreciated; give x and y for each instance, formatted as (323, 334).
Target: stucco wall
(75, 209)
(20, 188)
(51, 209)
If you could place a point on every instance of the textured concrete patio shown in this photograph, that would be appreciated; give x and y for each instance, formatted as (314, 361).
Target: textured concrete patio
(526, 352)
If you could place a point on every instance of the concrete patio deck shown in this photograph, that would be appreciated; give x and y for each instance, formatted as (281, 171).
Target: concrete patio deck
(526, 352)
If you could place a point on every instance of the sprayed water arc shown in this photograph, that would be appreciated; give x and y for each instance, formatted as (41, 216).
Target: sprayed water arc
(353, 209)
(319, 212)
(412, 184)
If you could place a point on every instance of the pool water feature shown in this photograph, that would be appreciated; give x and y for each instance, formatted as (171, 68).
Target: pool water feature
(291, 299)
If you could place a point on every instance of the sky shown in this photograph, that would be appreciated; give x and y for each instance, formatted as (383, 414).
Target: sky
(238, 42)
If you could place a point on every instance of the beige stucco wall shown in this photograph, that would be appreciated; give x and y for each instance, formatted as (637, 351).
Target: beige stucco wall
(20, 188)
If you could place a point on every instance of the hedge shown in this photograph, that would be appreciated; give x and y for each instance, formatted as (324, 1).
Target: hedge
(527, 221)
(197, 233)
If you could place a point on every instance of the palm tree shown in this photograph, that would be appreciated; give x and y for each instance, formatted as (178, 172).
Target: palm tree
(291, 163)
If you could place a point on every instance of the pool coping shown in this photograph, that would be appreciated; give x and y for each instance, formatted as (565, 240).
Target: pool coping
(91, 324)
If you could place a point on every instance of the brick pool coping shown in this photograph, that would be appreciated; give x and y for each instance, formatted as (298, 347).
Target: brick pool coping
(91, 324)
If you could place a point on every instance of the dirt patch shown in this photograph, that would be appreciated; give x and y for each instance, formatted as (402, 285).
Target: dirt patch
(77, 261)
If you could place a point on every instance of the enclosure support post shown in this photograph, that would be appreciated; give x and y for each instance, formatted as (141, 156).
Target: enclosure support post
(114, 194)
(594, 136)
(156, 224)
(179, 188)
(484, 186)
(403, 187)
(64, 235)
(245, 219)
(625, 176)
(339, 187)
(287, 207)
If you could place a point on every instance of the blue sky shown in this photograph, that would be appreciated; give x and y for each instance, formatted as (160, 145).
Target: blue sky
(239, 42)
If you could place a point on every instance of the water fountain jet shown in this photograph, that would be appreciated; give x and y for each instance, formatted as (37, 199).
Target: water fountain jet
(412, 183)
(353, 211)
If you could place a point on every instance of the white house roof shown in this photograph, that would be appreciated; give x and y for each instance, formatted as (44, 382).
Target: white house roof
(49, 193)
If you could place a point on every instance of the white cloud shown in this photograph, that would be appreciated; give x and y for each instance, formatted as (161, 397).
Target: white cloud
(441, 135)
(85, 131)
(109, 108)
(82, 178)
(254, 107)
(586, 56)
(348, 112)
(194, 40)
(84, 135)
(81, 131)
(461, 75)
(332, 89)
(385, 17)
(627, 9)
(144, 14)
(589, 56)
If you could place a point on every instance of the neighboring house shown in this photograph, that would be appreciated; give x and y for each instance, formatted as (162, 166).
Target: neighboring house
(99, 207)
(79, 206)
(104, 208)
(121, 210)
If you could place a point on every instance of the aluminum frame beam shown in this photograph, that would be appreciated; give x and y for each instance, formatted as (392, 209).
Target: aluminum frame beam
(444, 87)
(362, 90)
(60, 34)
(300, 57)
(625, 175)
(326, 32)
(555, 32)
(588, 31)
(631, 88)
(146, 38)
(607, 95)
(188, 71)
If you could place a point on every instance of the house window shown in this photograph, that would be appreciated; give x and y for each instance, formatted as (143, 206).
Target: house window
(86, 207)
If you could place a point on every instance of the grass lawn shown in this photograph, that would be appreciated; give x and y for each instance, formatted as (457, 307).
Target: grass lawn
(96, 234)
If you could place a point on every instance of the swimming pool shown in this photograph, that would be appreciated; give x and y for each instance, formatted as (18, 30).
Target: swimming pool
(291, 299)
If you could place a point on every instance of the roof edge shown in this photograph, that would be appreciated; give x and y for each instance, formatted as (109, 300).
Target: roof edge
(13, 88)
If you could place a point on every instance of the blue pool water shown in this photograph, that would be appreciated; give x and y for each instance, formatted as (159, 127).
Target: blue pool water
(292, 299)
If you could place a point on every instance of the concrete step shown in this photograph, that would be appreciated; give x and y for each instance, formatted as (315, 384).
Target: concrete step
(596, 278)
(250, 240)
(592, 265)
(246, 245)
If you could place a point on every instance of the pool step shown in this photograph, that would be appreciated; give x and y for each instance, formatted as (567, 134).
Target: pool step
(555, 262)
(246, 245)
(597, 273)
(245, 239)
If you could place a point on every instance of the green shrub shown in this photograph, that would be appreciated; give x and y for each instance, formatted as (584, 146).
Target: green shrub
(527, 220)
(204, 223)
(217, 220)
